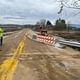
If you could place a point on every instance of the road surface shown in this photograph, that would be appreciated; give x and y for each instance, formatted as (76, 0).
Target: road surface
(25, 59)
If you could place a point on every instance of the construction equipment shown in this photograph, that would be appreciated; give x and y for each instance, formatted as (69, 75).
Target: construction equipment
(43, 31)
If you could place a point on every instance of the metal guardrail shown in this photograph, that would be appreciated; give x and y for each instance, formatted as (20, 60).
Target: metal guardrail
(69, 43)
(7, 33)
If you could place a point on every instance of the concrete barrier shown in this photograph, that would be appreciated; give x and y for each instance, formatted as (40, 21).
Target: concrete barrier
(8, 33)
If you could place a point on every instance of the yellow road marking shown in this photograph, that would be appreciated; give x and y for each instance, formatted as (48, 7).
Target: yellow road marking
(8, 67)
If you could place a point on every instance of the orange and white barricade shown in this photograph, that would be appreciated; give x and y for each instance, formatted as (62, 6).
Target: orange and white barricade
(46, 39)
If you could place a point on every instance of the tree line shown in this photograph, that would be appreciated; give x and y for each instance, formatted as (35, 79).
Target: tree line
(60, 25)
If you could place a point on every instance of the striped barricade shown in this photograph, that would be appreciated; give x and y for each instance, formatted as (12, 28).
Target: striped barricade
(46, 39)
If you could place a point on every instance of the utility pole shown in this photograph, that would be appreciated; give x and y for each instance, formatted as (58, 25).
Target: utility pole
(68, 26)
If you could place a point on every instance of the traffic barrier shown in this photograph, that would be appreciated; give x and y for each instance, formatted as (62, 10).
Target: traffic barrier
(50, 40)
(46, 39)
(70, 43)
(31, 34)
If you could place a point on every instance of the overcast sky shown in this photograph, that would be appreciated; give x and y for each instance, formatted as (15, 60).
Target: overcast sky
(31, 11)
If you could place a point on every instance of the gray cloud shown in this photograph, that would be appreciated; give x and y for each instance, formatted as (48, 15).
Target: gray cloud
(32, 10)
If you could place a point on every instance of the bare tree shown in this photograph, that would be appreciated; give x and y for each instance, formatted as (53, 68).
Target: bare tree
(43, 22)
(74, 4)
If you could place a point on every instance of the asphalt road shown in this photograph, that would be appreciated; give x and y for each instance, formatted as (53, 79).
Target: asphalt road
(10, 43)
(38, 61)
